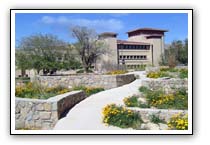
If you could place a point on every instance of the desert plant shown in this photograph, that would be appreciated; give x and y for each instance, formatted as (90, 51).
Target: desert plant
(120, 117)
(178, 122)
(155, 119)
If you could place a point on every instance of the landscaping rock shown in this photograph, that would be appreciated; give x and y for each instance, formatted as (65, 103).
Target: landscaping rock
(45, 115)
(163, 126)
(151, 126)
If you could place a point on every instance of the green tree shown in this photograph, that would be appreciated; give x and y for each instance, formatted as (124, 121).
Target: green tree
(20, 61)
(177, 53)
(88, 46)
(46, 52)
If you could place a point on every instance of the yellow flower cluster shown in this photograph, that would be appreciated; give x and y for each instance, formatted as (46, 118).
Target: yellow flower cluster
(153, 75)
(116, 72)
(127, 101)
(110, 111)
(178, 122)
(63, 91)
(162, 99)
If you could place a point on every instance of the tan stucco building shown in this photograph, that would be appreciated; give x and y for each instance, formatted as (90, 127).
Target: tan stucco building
(143, 46)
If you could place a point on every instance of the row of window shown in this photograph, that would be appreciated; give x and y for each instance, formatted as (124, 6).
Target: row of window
(141, 57)
(142, 47)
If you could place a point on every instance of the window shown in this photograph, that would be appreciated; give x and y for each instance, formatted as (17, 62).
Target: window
(131, 57)
(120, 56)
(134, 57)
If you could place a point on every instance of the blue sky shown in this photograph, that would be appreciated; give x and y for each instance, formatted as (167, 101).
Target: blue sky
(59, 24)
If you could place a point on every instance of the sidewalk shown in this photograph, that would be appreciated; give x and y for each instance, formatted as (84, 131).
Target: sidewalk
(88, 113)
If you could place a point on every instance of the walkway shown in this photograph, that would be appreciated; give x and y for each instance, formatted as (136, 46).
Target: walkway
(88, 113)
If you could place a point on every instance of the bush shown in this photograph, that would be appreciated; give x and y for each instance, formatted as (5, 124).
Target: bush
(159, 74)
(116, 72)
(155, 119)
(178, 122)
(120, 117)
(36, 91)
(89, 90)
(143, 89)
(134, 102)
(92, 90)
(82, 71)
(183, 73)
(165, 69)
(131, 101)
(161, 100)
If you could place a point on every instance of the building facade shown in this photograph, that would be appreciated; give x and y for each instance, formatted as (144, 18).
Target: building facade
(144, 46)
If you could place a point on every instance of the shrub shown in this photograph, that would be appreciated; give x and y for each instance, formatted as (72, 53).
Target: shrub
(93, 90)
(131, 101)
(134, 102)
(120, 117)
(183, 73)
(161, 100)
(36, 91)
(140, 67)
(178, 122)
(143, 89)
(165, 69)
(82, 71)
(155, 119)
(116, 72)
(158, 74)
(89, 90)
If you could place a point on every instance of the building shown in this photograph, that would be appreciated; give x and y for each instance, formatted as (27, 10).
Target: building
(144, 46)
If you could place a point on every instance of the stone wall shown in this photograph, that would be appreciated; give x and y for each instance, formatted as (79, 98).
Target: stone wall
(164, 114)
(43, 114)
(91, 80)
(166, 83)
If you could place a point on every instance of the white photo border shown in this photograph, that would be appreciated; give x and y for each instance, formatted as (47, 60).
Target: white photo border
(101, 132)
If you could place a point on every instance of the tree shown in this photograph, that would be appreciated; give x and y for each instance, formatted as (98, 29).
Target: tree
(46, 52)
(88, 46)
(176, 53)
(20, 61)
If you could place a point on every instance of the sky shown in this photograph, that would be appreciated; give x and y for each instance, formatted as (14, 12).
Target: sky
(59, 24)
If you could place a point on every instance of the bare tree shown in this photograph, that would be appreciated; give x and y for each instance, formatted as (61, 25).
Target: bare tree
(88, 45)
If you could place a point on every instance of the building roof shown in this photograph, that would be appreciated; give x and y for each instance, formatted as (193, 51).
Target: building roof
(131, 42)
(147, 29)
(108, 34)
(153, 35)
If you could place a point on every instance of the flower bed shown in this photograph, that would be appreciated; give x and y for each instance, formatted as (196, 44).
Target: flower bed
(36, 91)
(178, 99)
(178, 122)
(169, 72)
(89, 90)
(121, 117)
(116, 72)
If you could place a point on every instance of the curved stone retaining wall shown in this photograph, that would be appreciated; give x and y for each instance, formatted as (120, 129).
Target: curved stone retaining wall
(166, 84)
(164, 114)
(91, 80)
(43, 114)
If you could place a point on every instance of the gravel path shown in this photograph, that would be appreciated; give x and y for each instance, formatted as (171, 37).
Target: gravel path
(87, 114)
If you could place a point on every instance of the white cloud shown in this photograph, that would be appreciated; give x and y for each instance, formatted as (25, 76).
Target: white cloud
(99, 25)
(48, 19)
